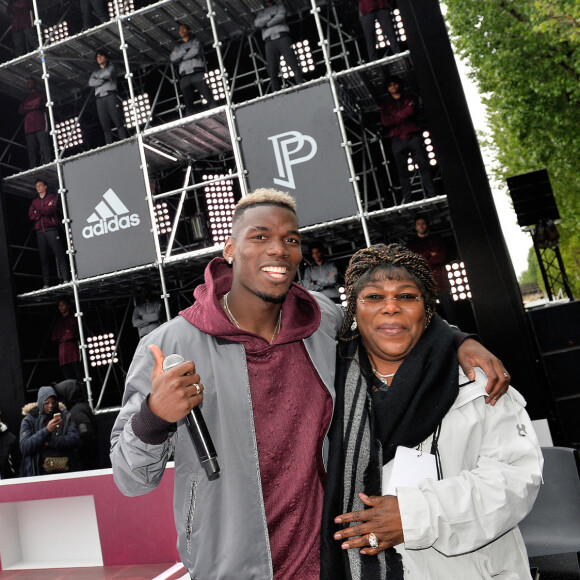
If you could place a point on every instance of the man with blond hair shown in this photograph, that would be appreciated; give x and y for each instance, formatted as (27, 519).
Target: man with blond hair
(264, 348)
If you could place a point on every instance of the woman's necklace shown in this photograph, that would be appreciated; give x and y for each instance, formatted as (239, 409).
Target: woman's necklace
(236, 323)
(381, 377)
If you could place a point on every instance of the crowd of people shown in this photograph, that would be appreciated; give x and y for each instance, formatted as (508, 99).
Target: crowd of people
(188, 56)
(58, 434)
(59, 431)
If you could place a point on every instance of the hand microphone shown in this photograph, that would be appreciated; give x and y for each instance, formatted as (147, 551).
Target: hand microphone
(197, 428)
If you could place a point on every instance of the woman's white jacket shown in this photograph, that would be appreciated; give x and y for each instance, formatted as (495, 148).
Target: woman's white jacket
(492, 470)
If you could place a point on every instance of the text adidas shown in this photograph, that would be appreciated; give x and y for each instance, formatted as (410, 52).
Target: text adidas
(115, 224)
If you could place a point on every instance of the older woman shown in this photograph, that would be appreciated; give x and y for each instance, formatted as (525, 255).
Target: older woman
(401, 393)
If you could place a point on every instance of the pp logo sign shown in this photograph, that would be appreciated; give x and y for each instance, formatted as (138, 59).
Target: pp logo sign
(288, 149)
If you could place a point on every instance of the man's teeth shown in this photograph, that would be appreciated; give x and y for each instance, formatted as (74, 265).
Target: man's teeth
(275, 269)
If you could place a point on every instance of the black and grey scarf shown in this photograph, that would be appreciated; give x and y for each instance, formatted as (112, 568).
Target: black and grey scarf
(367, 428)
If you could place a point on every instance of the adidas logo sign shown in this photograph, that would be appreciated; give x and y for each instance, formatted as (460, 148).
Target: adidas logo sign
(110, 215)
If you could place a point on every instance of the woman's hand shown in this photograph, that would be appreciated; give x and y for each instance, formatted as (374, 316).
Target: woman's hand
(54, 424)
(473, 354)
(383, 520)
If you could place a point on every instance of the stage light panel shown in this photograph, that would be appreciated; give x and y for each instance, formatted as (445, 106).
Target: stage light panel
(68, 134)
(55, 33)
(142, 110)
(102, 349)
(219, 199)
(343, 297)
(458, 281)
(162, 218)
(399, 26)
(382, 41)
(305, 59)
(125, 7)
(411, 165)
(215, 82)
(429, 148)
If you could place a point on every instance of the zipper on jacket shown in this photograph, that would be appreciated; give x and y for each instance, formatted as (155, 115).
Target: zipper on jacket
(325, 464)
(190, 514)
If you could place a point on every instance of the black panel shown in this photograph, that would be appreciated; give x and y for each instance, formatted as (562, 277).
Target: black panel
(533, 197)
(11, 390)
(557, 326)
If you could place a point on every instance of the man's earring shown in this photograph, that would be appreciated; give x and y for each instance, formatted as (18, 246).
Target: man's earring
(354, 325)
(230, 260)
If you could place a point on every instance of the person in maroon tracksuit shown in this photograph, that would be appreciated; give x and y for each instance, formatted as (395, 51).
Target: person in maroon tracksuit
(399, 115)
(65, 332)
(43, 212)
(33, 108)
(23, 34)
(370, 11)
(432, 248)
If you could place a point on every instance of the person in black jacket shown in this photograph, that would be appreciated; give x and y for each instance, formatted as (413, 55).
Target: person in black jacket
(9, 455)
(46, 431)
(71, 395)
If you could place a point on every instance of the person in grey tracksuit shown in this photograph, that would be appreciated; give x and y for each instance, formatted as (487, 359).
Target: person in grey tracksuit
(104, 81)
(188, 53)
(276, 36)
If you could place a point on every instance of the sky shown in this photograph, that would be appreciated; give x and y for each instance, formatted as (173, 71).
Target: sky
(518, 242)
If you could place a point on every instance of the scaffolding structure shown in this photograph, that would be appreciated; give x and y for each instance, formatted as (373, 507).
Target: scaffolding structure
(179, 152)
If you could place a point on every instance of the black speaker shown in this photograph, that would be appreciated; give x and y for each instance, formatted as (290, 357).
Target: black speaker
(557, 330)
(533, 197)
(568, 413)
(557, 326)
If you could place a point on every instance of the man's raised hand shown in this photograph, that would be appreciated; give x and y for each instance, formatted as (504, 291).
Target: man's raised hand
(176, 392)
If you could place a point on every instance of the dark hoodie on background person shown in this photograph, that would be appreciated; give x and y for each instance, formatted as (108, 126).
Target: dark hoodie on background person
(9, 455)
(70, 393)
(37, 442)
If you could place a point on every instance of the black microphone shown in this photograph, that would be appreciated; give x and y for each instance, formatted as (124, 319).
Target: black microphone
(197, 428)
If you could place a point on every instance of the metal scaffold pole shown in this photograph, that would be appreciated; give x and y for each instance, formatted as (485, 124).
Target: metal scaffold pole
(338, 109)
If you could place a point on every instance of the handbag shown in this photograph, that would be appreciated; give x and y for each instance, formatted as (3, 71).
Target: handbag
(55, 464)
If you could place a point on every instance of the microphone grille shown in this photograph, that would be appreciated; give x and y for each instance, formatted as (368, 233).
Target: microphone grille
(172, 360)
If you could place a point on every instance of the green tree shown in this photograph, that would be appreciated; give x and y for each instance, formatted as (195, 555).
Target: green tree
(525, 58)
(531, 274)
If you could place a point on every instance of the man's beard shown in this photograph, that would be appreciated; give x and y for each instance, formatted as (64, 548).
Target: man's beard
(273, 299)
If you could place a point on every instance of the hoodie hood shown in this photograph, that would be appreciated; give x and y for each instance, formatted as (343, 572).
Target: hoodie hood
(43, 394)
(69, 392)
(300, 311)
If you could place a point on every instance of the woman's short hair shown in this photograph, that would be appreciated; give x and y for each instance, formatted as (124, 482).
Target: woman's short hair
(380, 262)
